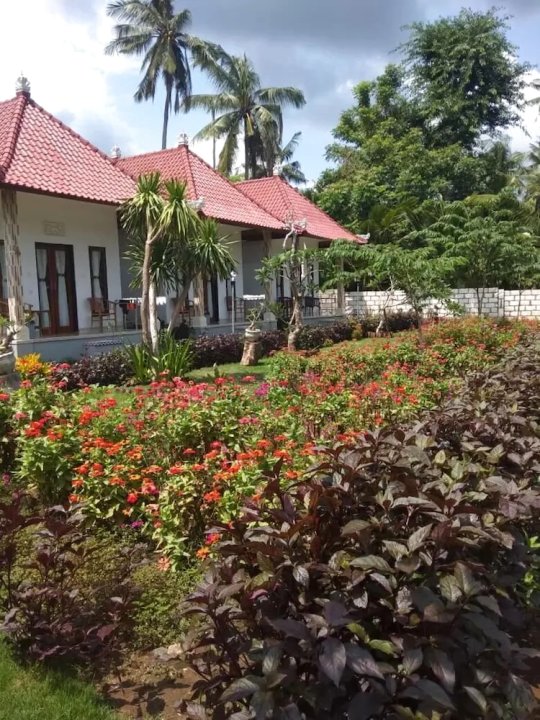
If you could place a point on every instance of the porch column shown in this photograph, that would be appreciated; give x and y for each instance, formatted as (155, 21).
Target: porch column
(10, 221)
(199, 318)
(268, 286)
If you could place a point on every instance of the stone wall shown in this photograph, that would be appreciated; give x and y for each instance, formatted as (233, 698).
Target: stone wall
(496, 303)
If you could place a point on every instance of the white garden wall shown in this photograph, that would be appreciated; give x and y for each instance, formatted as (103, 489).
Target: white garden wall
(496, 303)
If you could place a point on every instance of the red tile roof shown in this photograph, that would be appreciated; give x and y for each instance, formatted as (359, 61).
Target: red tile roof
(276, 196)
(39, 153)
(223, 200)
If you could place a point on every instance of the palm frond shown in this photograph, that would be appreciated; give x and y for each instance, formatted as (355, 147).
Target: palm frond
(283, 97)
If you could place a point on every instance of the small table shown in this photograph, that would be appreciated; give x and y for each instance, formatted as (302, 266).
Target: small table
(133, 304)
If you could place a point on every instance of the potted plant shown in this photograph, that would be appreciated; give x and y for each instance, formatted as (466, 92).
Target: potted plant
(252, 337)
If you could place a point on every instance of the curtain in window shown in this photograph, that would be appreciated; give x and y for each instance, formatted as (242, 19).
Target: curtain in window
(41, 258)
(95, 272)
(3, 273)
(63, 303)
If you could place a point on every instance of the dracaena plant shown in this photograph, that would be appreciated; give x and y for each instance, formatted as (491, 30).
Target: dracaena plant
(386, 584)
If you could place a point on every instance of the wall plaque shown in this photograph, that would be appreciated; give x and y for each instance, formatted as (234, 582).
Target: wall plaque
(50, 227)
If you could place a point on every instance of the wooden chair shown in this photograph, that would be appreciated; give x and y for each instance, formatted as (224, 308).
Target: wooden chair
(100, 310)
(4, 309)
(310, 304)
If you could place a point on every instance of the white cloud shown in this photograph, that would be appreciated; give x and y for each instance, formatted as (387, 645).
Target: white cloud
(522, 137)
(62, 54)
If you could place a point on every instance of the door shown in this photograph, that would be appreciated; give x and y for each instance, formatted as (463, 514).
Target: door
(56, 288)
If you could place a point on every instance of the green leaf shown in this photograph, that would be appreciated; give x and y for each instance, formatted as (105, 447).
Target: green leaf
(384, 646)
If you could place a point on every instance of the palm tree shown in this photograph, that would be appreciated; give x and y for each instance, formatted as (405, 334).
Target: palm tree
(281, 157)
(241, 105)
(152, 29)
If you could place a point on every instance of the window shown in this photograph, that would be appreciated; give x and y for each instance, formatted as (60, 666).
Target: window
(3, 272)
(98, 273)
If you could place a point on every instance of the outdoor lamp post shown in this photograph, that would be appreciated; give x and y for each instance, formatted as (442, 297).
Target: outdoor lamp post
(233, 287)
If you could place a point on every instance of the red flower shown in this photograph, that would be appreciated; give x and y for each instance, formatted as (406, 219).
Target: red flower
(212, 538)
(190, 451)
(132, 498)
(212, 496)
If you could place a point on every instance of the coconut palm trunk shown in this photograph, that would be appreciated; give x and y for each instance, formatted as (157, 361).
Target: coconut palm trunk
(166, 112)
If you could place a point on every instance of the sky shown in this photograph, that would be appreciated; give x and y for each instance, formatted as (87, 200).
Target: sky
(323, 47)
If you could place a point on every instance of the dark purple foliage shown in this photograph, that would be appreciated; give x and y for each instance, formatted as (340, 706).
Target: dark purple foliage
(386, 583)
(112, 368)
(52, 609)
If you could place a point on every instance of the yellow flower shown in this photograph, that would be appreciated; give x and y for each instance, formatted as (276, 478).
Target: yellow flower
(32, 365)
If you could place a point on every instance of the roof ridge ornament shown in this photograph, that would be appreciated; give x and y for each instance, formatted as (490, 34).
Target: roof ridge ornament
(22, 85)
(116, 153)
(183, 140)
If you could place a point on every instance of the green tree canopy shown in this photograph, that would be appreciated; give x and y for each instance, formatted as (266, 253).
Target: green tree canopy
(428, 129)
(466, 76)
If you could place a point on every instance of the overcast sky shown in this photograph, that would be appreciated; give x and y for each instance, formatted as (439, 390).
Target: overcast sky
(321, 46)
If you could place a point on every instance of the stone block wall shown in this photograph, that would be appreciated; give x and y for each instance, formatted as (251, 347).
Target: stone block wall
(496, 302)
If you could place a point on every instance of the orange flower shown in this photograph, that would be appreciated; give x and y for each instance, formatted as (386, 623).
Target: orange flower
(164, 564)
(212, 496)
(202, 553)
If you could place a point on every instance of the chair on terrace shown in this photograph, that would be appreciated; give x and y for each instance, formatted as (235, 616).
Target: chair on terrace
(103, 310)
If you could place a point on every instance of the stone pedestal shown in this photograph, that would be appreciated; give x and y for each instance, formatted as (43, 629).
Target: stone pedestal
(252, 348)
(8, 377)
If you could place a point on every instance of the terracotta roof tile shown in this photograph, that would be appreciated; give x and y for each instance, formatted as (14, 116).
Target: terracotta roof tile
(223, 200)
(39, 153)
(277, 197)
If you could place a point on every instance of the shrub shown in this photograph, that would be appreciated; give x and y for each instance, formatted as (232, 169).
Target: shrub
(51, 612)
(172, 359)
(220, 349)
(114, 368)
(157, 616)
(384, 584)
(314, 337)
(211, 350)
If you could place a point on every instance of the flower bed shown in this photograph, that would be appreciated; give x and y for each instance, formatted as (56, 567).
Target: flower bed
(173, 458)
(392, 580)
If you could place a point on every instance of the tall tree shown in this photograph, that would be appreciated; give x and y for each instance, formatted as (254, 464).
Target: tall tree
(152, 29)
(466, 74)
(384, 156)
(242, 106)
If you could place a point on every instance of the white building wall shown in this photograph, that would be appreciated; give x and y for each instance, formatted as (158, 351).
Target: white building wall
(79, 224)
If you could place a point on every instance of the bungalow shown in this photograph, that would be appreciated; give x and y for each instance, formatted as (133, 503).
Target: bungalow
(61, 252)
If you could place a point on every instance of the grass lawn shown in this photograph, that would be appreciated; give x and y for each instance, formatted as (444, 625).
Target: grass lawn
(31, 694)
(231, 369)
